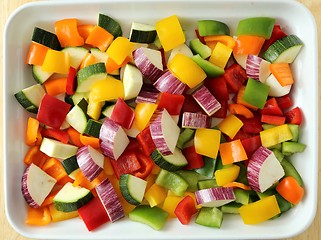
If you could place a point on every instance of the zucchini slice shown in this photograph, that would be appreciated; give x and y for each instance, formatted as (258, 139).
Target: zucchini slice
(77, 116)
(76, 54)
(87, 76)
(93, 128)
(142, 33)
(39, 75)
(284, 50)
(171, 162)
(46, 38)
(132, 188)
(70, 198)
(71, 166)
(31, 97)
(110, 25)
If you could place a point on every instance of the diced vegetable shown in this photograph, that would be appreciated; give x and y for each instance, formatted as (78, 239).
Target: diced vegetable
(214, 197)
(36, 185)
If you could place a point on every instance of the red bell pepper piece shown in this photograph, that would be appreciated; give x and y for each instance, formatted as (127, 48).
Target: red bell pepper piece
(146, 165)
(145, 140)
(123, 114)
(52, 111)
(71, 81)
(194, 159)
(277, 33)
(251, 144)
(240, 135)
(190, 105)
(271, 107)
(294, 116)
(93, 214)
(218, 87)
(235, 76)
(126, 163)
(57, 134)
(185, 209)
(284, 102)
(173, 103)
(272, 119)
(251, 125)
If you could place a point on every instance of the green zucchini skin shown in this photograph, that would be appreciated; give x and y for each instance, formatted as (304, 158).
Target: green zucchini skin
(109, 24)
(46, 38)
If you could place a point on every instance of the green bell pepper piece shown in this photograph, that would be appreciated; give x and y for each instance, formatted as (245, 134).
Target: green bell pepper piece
(256, 26)
(256, 93)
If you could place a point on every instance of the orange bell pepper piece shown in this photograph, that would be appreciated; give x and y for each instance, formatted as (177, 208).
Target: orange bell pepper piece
(248, 45)
(74, 137)
(36, 54)
(282, 73)
(84, 30)
(100, 38)
(89, 59)
(54, 168)
(67, 33)
(35, 156)
(239, 109)
(55, 86)
(38, 216)
(211, 41)
(232, 152)
(88, 140)
(33, 127)
(290, 190)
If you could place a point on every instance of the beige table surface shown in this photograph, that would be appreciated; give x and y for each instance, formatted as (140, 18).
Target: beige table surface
(7, 232)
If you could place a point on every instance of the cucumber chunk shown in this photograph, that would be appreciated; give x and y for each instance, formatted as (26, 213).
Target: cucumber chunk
(46, 38)
(110, 25)
(284, 50)
(87, 76)
(77, 116)
(93, 128)
(232, 208)
(30, 97)
(142, 33)
(171, 162)
(39, 75)
(70, 198)
(76, 55)
(132, 188)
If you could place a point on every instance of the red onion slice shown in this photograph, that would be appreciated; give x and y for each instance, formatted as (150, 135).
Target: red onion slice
(113, 139)
(149, 62)
(167, 82)
(263, 169)
(36, 184)
(214, 197)
(257, 68)
(90, 161)
(164, 132)
(206, 100)
(195, 120)
(110, 200)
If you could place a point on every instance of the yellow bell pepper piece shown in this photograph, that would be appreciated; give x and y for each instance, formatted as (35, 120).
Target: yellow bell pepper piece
(119, 49)
(260, 210)
(143, 113)
(227, 175)
(94, 108)
(232, 152)
(170, 204)
(58, 216)
(230, 125)
(207, 142)
(170, 32)
(107, 89)
(155, 195)
(220, 55)
(186, 70)
(275, 135)
(56, 62)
